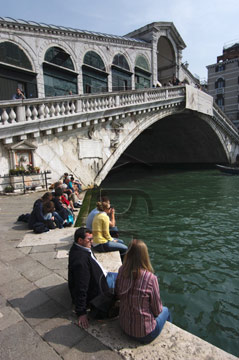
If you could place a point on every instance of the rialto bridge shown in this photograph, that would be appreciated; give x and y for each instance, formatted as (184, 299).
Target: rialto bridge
(86, 134)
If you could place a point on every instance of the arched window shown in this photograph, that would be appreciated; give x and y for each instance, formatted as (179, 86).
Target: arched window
(58, 56)
(220, 100)
(15, 72)
(121, 75)
(11, 54)
(220, 67)
(95, 78)
(142, 73)
(166, 60)
(220, 83)
(59, 75)
(120, 61)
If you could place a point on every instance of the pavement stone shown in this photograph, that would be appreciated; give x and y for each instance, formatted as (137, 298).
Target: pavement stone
(26, 250)
(60, 294)
(29, 300)
(49, 281)
(15, 287)
(50, 261)
(21, 342)
(8, 317)
(90, 348)
(3, 302)
(43, 312)
(9, 255)
(60, 333)
(42, 249)
(37, 272)
(7, 275)
(63, 273)
(22, 264)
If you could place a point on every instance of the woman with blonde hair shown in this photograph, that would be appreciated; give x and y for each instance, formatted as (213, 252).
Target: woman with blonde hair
(102, 240)
(142, 315)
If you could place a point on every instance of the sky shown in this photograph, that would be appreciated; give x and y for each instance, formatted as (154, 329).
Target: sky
(204, 25)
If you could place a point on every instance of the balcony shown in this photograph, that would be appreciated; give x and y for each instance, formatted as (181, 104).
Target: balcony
(220, 91)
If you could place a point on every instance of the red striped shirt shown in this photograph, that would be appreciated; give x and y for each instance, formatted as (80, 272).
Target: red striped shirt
(140, 303)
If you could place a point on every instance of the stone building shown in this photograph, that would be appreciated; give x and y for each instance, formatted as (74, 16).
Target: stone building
(223, 80)
(47, 60)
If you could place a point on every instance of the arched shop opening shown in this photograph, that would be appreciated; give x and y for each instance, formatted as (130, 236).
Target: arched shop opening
(95, 77)
(15, 72)
(60, 77)
(166, 61)
(142, 73)
(121, 74)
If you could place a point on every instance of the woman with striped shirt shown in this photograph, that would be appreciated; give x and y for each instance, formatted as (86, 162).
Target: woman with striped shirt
(142, 315)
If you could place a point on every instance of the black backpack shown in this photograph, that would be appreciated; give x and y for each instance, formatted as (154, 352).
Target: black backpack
(39, 228)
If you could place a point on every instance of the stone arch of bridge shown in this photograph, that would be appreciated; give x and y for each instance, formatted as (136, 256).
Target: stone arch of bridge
(220, 139)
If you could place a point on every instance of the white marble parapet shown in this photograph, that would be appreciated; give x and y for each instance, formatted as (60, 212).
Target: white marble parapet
(13, 111)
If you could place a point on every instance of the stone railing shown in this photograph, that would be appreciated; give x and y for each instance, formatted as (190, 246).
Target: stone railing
(27, 110)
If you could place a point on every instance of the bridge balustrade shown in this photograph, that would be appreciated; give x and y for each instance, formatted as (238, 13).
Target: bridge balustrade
(27, 110)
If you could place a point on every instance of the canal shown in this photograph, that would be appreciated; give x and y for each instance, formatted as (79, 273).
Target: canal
(190, 222)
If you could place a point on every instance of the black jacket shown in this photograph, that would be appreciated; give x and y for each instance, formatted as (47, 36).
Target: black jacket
(86, 279)
(36, 214)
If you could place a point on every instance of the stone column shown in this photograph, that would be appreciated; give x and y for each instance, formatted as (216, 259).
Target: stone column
(154, 57)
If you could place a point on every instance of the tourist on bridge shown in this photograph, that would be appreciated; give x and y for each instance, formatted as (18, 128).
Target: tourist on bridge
(103, 242)
(142, 315)
(19, 94)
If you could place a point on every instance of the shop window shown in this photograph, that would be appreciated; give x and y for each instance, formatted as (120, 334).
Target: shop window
(142, 73)
(95, 77)
(59, 76)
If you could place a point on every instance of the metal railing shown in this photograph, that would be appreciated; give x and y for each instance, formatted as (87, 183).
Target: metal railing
(22, 183)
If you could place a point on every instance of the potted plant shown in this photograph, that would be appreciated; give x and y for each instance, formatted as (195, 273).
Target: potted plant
(36, 170)
(9, 189)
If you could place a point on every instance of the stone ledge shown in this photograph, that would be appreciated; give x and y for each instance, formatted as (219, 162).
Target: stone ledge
(172, 344)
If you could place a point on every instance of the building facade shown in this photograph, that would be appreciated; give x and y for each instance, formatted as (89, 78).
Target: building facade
(46, 60)
(223, 82)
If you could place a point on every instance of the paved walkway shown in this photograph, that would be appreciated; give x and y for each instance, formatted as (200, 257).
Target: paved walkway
(36, 321)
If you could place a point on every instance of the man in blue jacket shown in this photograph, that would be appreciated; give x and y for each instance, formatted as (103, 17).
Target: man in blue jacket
(86, 276)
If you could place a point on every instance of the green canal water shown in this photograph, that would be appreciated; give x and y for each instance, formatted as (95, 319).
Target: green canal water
(190, 222)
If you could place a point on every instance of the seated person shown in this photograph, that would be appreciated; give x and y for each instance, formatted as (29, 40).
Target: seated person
(69, 190)
(61, 208)
(49, 213)
(86, 276)
(142, 315)
(90, 217)
(103, 242)
(36, 215)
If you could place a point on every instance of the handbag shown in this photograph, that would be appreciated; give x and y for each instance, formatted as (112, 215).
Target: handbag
(104, 305)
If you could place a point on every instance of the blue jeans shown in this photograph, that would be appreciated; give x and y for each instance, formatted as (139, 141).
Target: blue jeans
(161, 319)
(113, 246)
(111, 280)
(58, 220)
